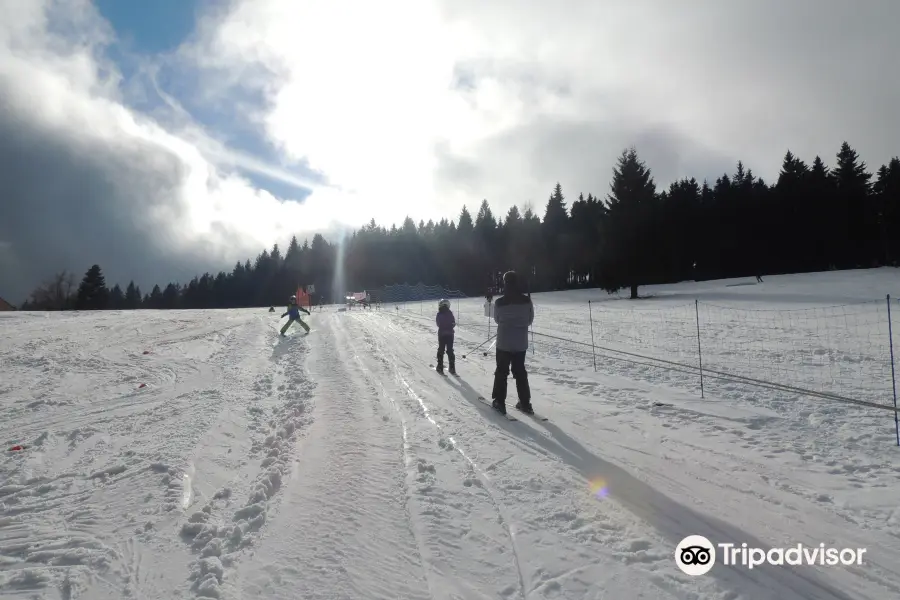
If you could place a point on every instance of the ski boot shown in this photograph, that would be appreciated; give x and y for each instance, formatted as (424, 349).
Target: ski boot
(453, 370)
(439, 369)
(499, 406)
(525, 407)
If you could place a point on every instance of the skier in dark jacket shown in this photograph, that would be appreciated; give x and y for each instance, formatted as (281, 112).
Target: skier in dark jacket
(293, 310)
(446, 323)
(514, 314)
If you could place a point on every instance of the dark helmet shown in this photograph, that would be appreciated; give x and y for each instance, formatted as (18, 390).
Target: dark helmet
(510, 282)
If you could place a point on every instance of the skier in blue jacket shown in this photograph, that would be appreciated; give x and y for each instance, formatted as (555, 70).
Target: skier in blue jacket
(293, 310)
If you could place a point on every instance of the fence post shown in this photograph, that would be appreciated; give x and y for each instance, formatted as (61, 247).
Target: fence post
(893, 374)
(593, 350)
(699, 350)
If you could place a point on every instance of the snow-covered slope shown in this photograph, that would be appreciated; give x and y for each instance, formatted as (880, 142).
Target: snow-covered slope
(340, 465)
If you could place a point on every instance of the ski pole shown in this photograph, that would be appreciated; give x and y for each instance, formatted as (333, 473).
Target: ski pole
(482, 343)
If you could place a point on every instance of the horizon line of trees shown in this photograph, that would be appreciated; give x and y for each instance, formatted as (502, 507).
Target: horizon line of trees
(813, 218)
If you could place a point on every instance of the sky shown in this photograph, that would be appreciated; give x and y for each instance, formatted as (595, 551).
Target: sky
(165, 139)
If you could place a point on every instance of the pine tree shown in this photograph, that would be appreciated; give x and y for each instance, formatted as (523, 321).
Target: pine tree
(632, 203)
(854, 201)
(789, 234)
(116, 298)
(557, 241)
(292, 261)
(132, 296)
(887, 194)
(155, 298)
(92, 293)
(485, 223)
(465, 225)
(171, 297)
(513, 217)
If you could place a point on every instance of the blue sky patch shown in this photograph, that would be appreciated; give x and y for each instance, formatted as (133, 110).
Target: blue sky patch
(148, 32)
(150, 26)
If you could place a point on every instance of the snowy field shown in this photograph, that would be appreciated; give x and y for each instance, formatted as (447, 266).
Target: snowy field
(192, 454)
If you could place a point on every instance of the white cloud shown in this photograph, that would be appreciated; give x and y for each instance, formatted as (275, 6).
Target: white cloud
(421, 105)
(359, 89)
(55, 80)
(118, 187)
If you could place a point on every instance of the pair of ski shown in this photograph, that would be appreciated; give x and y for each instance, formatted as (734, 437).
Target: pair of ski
(441, 372)
(292, 334)
(508, 416)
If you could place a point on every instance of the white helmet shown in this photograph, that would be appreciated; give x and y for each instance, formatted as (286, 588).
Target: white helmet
(444, 303)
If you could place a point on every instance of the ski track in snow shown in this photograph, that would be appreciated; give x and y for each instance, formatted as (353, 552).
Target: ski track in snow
(89, 504)
(381, 518)
(340, 465)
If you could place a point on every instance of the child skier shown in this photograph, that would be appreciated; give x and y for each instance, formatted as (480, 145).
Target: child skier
(446, 322)
(293, 310)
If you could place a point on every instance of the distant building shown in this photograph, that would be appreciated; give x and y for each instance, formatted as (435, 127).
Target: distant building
(4, 305)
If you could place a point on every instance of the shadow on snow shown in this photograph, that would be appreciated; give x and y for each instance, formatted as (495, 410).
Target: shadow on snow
(670, 518)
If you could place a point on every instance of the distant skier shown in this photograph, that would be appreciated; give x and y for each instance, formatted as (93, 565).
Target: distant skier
(446, 323)
(293, 310)
(514, 314)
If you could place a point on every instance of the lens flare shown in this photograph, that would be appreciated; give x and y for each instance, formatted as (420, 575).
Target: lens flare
(599, 487)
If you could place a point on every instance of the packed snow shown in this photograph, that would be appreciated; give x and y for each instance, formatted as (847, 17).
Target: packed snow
(196, 454)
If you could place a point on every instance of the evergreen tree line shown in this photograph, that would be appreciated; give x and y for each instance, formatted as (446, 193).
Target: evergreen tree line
(813, 218)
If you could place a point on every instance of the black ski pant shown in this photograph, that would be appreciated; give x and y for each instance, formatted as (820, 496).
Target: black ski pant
(445, 344)
(516, 362)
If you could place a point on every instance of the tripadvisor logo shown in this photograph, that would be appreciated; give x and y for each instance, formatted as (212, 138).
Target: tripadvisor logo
(696, 555)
